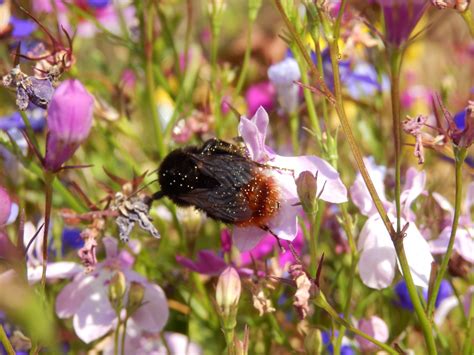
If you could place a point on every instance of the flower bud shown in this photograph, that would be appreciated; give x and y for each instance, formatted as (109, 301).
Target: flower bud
(313, 342)
(135, 296)
(376, 328)
(69, 122)
(228, 290)
(306, 186)
(117, 290)
(5, 206)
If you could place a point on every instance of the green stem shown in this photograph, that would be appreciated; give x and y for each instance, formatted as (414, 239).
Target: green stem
(395, 65)
(124, 336)
(148, 42)
(415, 299)
(354, 258)
(460, 155)
(314, 229)
(117, 335)
(5, 342)
(245, 64)
(321, 301)
(48, 183)
(215, 95)
(470, 330)
(294, 125)
(467, 16)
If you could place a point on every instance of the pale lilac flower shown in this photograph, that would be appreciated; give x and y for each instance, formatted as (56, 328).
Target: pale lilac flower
(450, 303)
(69, 122)
(86, 298)
(142, 342)
(34, 258)
(284, 224)
(376, 328)
(283, 75)
(378, 256)
(464, 242)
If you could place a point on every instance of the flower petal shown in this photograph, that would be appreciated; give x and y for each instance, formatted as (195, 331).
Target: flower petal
(111, 247)
(377, 267)
(360, 194)
(418, 255)
(153, 314)
(70, 298)
(59, 270)
(414, 186)
(95, 317)
(328, 178)
(443, 203)
(285, 223)
(254, 131)
(207, 262)
(247, 238)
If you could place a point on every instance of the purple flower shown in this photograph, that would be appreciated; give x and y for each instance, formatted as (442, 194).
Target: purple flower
(376, 328)
(346, 348)
(464, 241)
(86, 298)
(284, 224)
(98, 4)
(5, 206)
(404, 301)
(261, 94)
(378, 256)
(283, 75)
(401, 17)
(69, 122)
(22, 28)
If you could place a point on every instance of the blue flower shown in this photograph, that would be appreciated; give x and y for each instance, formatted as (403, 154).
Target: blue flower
(22, 28)
(404, 300)
(98, 4)
(71, 240)
(345, 348)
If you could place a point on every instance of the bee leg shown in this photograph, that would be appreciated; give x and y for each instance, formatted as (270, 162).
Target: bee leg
(267, 229)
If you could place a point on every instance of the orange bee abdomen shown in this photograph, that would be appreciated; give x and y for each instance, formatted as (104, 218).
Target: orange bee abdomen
(262, 196)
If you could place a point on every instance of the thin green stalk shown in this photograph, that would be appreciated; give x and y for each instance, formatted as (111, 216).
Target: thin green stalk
(314, 230)
(466, 350)
(460, 156)
(29, 130)
(321, 301)
(395, 64)
(216, 23)
(294, 125)
(117, 335)
(5, 342)
(124, 336)
(415, 299)
(460, 303)
(467, 16)
(352, 274)
(148, 42)
(48, 187)
(317, 49)
(245, 64)
(308, 97)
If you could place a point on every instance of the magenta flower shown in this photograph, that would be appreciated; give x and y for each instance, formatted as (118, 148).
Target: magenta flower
(260, 94)
(86, 298)
(401, 18)
(376, 328)
(5, 206)
(464, 242)
(69, 122)
(284, 224)
(378, 256)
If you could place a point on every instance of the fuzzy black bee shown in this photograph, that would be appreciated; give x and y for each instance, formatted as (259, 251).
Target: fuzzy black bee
(220, 179)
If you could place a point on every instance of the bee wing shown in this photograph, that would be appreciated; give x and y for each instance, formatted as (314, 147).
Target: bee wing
(223, 201)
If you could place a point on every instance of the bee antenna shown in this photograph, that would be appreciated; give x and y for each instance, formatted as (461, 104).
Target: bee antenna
(157, 195)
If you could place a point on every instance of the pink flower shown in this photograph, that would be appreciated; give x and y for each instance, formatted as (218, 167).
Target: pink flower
(86, 298)
(464, 242)
(378, 256)
(376, 328)
(5, 206)
(284, 224)
(69, 122)
(260, 94)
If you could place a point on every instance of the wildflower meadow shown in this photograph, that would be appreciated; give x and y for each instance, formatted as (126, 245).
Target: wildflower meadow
(236, 177)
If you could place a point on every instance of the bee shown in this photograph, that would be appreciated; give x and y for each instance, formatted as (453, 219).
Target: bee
(221, 180)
